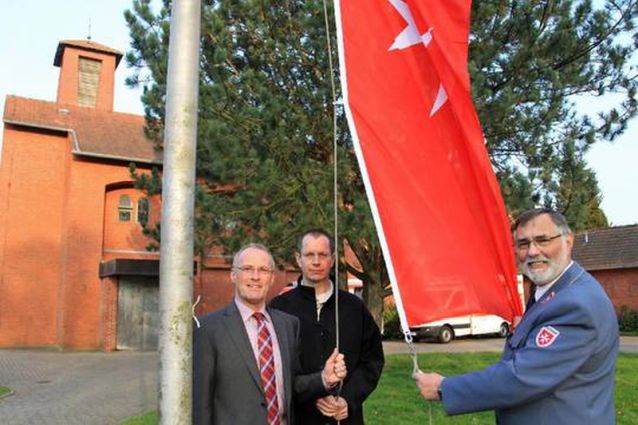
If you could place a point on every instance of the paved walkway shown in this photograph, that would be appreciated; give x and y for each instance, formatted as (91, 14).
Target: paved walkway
(68, 388)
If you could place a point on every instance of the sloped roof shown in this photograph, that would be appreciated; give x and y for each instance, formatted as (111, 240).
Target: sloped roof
(604, 249)
(104, 134)
(85, 45)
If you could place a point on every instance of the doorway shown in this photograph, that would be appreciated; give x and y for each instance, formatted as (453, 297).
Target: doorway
(138, 313)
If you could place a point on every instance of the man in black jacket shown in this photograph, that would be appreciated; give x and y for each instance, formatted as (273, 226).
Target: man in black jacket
(313, 302)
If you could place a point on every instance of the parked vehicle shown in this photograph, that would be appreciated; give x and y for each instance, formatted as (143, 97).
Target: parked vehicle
(475, 324)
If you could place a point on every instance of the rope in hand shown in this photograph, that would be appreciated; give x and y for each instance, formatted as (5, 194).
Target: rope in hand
(335, 183)
(415, 367)
(335, 103)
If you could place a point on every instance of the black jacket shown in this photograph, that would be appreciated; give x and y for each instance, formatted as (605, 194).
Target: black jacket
(360, 342)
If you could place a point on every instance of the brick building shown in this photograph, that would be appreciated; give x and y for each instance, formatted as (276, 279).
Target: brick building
(611, 256)
(75, 272)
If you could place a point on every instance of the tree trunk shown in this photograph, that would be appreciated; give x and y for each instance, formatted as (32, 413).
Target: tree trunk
(373, 298)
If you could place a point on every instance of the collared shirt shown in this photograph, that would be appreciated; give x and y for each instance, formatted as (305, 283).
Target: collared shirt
(250, 323)
(542, 290)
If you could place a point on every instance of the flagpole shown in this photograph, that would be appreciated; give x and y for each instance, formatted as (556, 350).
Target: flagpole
(178, 189)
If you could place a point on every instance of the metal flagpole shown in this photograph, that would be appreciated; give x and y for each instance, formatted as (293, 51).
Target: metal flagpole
(176, 252)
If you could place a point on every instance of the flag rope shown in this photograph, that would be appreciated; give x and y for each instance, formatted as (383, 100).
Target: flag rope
(335, 185)
(407, 335)
(335, 103)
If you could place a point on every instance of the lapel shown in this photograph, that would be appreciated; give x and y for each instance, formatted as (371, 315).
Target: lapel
(570, 276)
(284, 348)
(239, 337)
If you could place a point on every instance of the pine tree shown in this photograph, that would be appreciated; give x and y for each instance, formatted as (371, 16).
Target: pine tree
(530, 61)
(265, 144)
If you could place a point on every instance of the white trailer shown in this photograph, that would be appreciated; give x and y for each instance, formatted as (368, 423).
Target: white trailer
(446, 330)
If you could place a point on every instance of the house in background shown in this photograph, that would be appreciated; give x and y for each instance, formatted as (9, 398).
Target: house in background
(611, 256)
(74, 270)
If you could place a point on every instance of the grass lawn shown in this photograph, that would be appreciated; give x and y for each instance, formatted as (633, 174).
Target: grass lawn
(396, 400)
(149, 418)
(4, 391)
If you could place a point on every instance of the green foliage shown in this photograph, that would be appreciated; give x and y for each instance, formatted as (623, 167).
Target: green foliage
(265, 152)
(625, 395)
(396, 400)
(578, 195)
(265, 147)
(265, 122)
(4, 391)
(530, 62)
(627, 319)
(149, 418)
(391, 323)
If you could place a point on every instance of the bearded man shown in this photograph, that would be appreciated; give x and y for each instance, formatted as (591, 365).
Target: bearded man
(558, 366)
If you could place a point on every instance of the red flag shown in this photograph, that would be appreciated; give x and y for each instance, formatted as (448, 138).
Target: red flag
(435, 200)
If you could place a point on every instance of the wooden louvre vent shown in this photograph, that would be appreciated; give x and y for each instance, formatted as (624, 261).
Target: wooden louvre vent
(88, 81)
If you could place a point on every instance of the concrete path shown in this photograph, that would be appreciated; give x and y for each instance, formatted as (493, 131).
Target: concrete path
(68, 388)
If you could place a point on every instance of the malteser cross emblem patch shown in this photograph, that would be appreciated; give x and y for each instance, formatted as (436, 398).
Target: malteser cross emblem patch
(546, 336)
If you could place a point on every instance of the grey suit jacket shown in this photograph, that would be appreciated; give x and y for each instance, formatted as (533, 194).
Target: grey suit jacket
(226, 381)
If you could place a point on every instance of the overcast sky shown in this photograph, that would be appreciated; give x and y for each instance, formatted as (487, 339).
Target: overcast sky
(31, 29)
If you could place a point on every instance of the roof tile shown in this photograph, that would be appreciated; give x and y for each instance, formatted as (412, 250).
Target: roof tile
(611, 248)
(97, 133)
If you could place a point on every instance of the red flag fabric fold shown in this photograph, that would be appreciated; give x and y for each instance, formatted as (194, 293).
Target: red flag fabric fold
(435, 199)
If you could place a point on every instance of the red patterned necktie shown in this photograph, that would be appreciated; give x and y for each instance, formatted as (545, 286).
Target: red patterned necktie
(267, 368)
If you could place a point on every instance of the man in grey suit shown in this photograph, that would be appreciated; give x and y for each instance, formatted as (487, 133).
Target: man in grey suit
(229, 360)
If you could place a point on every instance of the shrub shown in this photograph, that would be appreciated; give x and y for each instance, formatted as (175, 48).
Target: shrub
(627, 319)
(391, 324)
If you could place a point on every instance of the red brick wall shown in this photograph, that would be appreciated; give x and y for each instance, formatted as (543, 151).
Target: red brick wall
(85, 220)
(31, 215)
(620, 285)
(52, 229)
(107, 336)
(58, 221)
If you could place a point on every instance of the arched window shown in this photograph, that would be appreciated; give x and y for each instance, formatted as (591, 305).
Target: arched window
(142, 211)
(125, 208)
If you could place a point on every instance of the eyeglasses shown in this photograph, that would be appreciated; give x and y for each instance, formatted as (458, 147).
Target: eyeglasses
(250, 270)
(539, 241)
